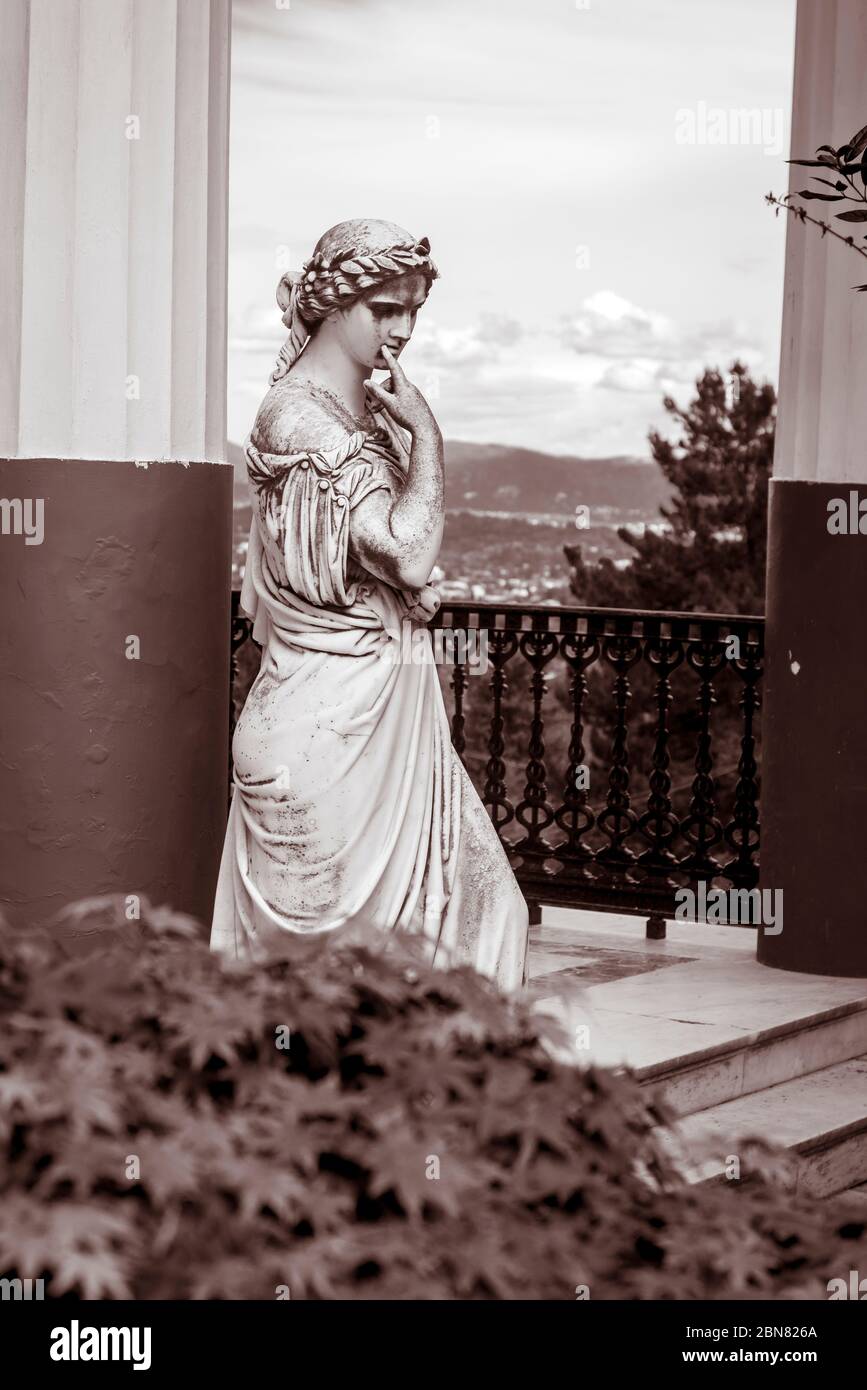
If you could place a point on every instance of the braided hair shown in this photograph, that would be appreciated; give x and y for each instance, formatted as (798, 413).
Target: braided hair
(349, 259)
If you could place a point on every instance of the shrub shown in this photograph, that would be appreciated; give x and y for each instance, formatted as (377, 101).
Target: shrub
(414, 1140)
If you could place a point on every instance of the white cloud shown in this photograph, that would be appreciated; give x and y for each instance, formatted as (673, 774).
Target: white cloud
(492, 381)
(513, 134)
(611, 325)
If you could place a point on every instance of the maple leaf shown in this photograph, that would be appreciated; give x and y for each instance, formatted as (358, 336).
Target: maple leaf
(230, 1276)
(313, 1265)
(502, 1254)
(775, 1166)
(25, 1235)
(159, 1110)
(460, 1026)
(504, 1089)
(330, 1204)
(318, 1017)
(811, 1289)
(170, 1168)
(83, 1078)
(402, 1163)
(219, 1027)
(23, 1092)
(639, 1283)
(542, 1124)
(91, 1273)
(166, 921)
(327, 1100)
(268, 1184)
(547, 1176)
(740, 1260)
(483, 1258)
(91, 1101)
(81, 1162)
(85, 1247)
(94, 989)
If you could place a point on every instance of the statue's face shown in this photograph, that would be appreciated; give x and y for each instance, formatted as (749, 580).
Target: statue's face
(387, 316)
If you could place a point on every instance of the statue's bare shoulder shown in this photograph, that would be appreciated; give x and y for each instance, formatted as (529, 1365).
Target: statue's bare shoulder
(292, 420)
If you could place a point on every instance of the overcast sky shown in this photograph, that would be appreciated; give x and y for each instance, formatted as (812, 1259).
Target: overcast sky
(593, 200)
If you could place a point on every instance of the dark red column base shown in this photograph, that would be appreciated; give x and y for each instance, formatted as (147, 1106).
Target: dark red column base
(113, 765)
(814, 735)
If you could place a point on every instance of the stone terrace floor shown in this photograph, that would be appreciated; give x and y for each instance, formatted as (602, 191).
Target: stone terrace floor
(655, 1003)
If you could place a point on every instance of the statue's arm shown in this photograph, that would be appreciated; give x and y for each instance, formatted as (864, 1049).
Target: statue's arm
(395, 534)
(398, 538)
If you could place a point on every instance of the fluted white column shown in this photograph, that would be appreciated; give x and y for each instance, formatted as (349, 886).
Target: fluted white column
(114, 169)
(814, 743)
(114, 687)
(823, 361)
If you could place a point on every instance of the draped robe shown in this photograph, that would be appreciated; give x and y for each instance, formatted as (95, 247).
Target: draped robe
(349, 804)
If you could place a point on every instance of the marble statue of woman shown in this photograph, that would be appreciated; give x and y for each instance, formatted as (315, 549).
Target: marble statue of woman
(350, 806)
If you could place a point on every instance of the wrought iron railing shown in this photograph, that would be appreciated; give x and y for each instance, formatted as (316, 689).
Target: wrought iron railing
(615, 751)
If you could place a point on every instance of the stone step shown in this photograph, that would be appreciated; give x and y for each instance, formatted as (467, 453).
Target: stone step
(819, 1118)
(767, 1057)
(703, 1031)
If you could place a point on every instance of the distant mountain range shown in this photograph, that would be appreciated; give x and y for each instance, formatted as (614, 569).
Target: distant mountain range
(499, 477)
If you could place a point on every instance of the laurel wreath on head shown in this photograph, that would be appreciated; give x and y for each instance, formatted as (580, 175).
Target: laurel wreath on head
(323, 284)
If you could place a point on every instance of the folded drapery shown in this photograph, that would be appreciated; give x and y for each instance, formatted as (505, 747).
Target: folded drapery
(350, 806)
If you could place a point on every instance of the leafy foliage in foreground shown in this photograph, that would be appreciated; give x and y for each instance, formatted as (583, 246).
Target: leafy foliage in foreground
(415, 1139)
